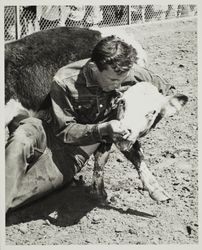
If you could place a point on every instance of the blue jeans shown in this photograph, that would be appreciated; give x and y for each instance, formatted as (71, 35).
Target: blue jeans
(37, 162)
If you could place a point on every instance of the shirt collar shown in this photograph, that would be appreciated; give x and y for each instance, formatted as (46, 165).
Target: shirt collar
(88, 71)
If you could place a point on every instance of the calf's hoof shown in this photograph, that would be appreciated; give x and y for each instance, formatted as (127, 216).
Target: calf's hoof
(151, 185)
(78, 182)
(98, 194)
(159, 195)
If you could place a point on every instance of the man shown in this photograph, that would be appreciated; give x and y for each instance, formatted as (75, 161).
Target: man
(42, 156)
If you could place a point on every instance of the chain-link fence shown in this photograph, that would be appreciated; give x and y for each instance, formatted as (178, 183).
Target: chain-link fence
(20, 21)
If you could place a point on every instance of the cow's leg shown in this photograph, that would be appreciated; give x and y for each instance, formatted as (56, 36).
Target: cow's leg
(149, 182)
(97, 188)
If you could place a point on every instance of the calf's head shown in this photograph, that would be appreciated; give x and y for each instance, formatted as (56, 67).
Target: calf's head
(144, 108)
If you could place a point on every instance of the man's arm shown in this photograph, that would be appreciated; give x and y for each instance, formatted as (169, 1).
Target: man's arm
(142, 74)
(67, 128)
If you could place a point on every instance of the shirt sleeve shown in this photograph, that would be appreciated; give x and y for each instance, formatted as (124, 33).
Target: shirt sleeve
(142, 74)
(65, 123)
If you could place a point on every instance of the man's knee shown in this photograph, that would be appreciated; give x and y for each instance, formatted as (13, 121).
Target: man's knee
(29, 140)
(30, 131)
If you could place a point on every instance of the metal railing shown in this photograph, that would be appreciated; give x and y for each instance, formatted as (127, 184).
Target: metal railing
(20, 21)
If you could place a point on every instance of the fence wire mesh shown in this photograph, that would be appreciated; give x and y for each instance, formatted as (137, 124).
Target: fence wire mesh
(20, 21)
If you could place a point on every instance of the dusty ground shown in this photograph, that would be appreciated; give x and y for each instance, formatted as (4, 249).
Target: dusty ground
(69, 216)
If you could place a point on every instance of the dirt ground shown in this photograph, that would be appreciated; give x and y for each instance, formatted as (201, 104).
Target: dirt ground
(69, 216)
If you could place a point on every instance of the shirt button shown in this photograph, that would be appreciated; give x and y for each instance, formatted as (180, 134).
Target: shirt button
(101, 106)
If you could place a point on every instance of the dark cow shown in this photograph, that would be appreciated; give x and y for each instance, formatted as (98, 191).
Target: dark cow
(31, 63)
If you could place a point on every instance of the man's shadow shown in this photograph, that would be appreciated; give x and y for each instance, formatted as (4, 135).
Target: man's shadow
(70, 204)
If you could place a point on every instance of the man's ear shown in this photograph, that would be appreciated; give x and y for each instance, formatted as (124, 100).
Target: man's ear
(173, 104)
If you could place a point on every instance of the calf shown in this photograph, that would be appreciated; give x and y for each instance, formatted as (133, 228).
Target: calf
(31, 63)
(140, 108)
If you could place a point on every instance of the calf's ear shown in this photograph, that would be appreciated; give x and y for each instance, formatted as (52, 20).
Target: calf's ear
(173, 105)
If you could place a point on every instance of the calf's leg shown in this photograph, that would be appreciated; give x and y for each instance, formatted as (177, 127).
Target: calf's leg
(149, 182)
(101, 156)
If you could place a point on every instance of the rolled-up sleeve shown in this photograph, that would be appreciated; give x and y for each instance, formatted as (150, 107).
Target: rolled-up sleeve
(65, 120)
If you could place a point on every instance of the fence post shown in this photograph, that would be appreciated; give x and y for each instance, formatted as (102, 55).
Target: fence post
(17, 23)
(129, 15)
(143, 13)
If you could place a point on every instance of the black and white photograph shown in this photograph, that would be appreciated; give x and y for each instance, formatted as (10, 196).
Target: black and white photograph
(100, 124)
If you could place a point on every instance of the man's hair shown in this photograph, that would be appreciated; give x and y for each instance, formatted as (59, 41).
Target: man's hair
(113, 51)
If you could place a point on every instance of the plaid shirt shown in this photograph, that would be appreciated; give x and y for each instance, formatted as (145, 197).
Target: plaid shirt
(79, 104)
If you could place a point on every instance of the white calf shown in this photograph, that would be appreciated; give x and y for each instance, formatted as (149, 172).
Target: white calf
(143, 104)
(142, 107)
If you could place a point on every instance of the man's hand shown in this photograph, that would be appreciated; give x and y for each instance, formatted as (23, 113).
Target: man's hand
(114, 129)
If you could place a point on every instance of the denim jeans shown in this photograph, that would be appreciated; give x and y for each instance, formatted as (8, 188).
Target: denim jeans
(37, 162)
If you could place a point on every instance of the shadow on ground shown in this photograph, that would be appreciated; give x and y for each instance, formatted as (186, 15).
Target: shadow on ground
(71, 204)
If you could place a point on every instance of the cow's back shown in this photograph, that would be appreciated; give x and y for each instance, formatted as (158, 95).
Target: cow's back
(31, 62)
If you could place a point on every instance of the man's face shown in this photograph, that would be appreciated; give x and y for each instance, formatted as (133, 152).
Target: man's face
(109, 80)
